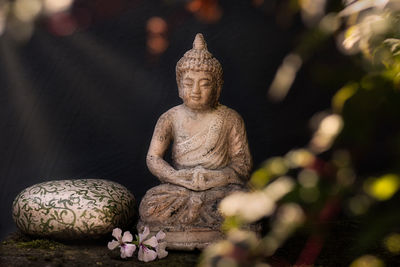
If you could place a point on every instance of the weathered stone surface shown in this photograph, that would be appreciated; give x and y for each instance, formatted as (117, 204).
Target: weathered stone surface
(73, 209)
(210, 156)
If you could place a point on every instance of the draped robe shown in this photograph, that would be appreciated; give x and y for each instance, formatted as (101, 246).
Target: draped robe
(221, 143)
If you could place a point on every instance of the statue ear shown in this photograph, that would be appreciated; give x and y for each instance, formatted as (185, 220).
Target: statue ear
(217, 93)
(180, 89)
(179, 82)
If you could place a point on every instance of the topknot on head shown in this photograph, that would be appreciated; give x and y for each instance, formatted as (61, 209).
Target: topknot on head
(199, 43)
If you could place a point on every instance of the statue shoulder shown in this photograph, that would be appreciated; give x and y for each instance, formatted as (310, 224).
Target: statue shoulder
(230, 114)
(166, 120)
(170, 114)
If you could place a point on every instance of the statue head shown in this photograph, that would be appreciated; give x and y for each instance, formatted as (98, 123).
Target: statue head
(199, 76)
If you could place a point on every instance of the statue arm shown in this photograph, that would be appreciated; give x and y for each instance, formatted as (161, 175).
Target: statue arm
(238, 170)
(241, 161)
(160, 141)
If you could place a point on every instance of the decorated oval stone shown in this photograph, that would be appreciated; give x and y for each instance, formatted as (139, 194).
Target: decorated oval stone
(73, 209)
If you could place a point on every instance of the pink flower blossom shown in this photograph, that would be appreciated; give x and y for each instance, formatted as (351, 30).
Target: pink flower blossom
(146, 254)
(149, 247)
(122, 242)
(160, 249)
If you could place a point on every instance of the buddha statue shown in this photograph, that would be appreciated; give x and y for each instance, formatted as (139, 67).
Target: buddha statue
(210, 156)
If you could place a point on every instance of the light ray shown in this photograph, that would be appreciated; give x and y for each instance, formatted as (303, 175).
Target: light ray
(119, 69)
(34, 130)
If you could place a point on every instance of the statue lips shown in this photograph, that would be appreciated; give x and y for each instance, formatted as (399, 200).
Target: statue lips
(195, 97)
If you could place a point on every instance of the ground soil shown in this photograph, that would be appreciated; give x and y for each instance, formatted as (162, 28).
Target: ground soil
(21, 250)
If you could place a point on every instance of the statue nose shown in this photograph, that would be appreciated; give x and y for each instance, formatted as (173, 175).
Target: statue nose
(196, 89)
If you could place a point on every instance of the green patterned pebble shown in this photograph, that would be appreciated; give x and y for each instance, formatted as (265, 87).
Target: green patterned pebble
(73, 209)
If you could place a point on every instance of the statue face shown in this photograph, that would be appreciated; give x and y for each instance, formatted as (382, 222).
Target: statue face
(198, 90)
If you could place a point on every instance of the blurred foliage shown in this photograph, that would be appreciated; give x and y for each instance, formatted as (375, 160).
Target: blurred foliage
(334, 202)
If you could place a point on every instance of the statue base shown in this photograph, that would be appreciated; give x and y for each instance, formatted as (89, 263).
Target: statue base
(189, 238)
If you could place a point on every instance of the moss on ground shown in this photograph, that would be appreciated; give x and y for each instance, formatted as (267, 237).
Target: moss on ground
(21, 250)
(39, 243)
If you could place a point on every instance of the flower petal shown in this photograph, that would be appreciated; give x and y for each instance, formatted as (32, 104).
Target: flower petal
(127, 250)
(127, 237)
(160, 249)
(151, 242)
(117, 233)
(160, 235)
(113, 244)
(146, 254)
(123, 255)
(145, 233)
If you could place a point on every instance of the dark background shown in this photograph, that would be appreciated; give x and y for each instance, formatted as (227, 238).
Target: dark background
(84, 105)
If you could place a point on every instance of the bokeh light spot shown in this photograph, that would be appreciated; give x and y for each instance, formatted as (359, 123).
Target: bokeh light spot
(346, 176)
(312, 11)
(280, 187)
(308, 178)
(62, 24)
(359, 204)
(284, 77)
(367, 261)
(157, 44)
(392, 243)
(289, 214)
(330, 23)
(157, 41)
(277, 166)
(260, 178)
(205, 10)
(55, 6)
(250, 206)
(328, 129)
(299, 158)
(157, 25)
(4, 10)
(27, 10)
(309, 195)
(331, 125)
(382, 188)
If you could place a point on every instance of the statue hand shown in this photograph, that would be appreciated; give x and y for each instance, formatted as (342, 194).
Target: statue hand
(219, 177)
(203, 179)
(186, 178)
(199, 181)
(199, 178)
(193, 179)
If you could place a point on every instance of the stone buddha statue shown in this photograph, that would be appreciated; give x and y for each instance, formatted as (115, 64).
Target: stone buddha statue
(210, 156)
